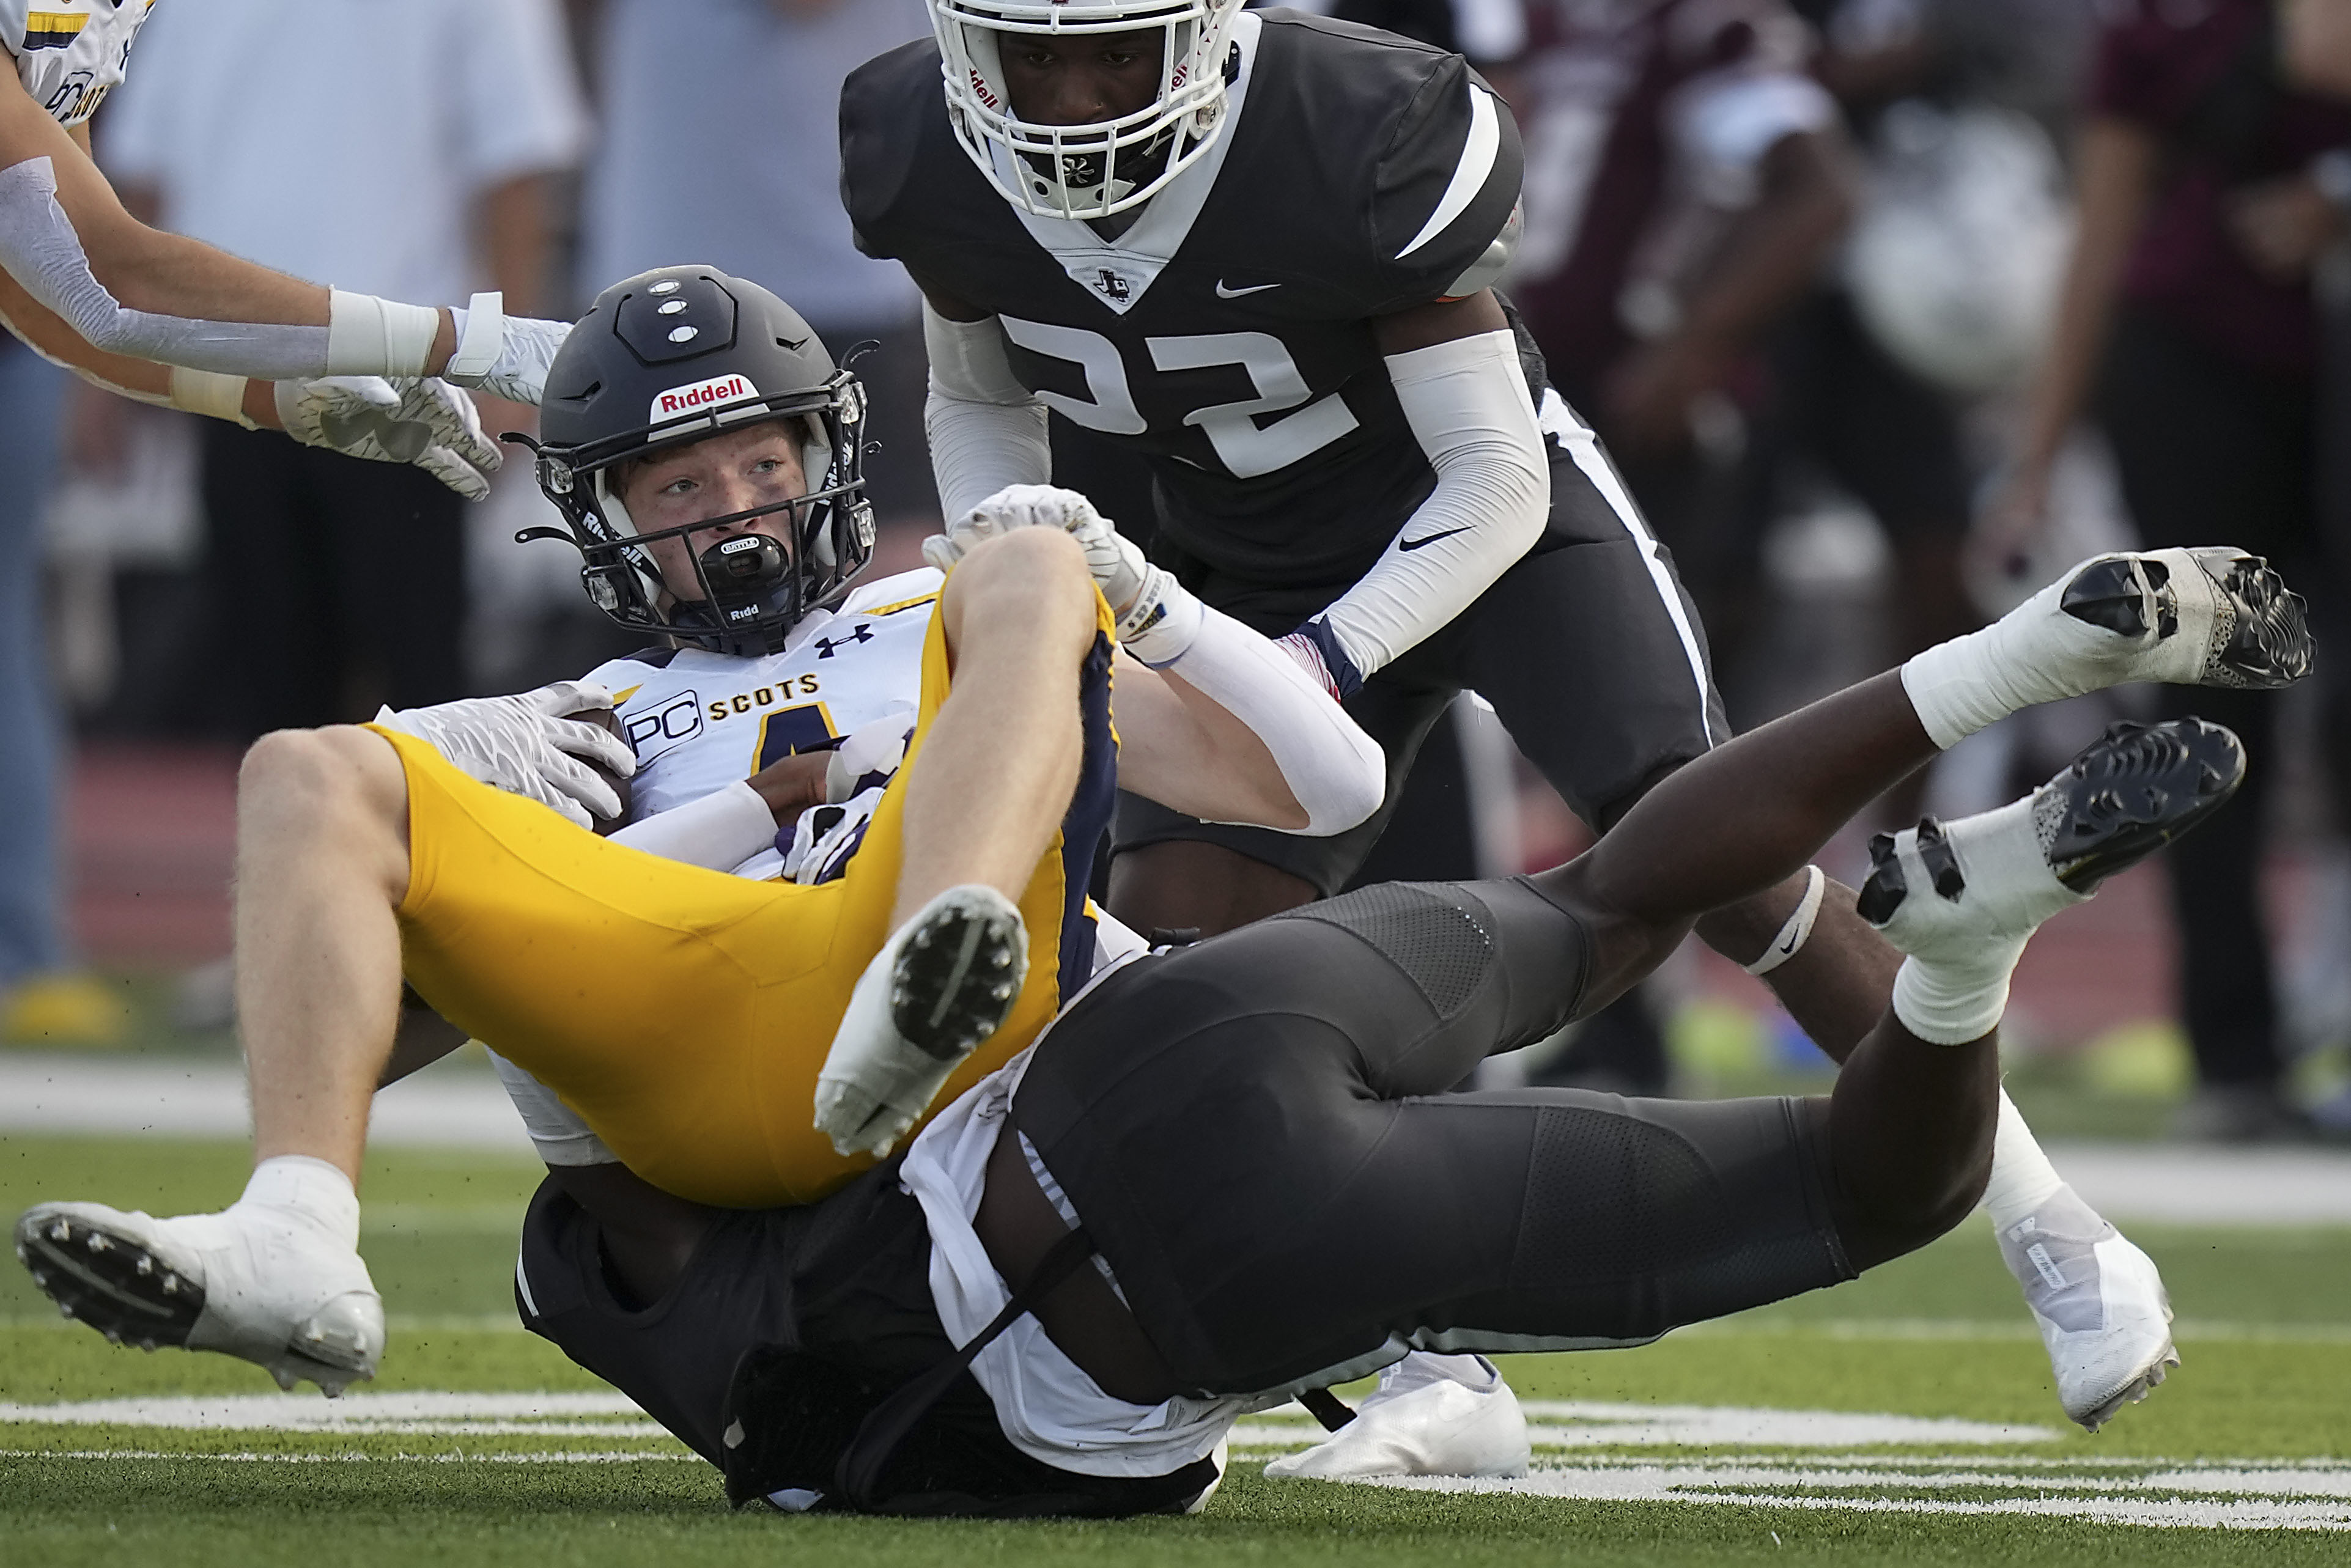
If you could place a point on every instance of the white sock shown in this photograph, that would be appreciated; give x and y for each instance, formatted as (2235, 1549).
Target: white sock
(2034, 653)
(1424, 1367)
(2023, 1179)
(319, 1191)
(1953, 987)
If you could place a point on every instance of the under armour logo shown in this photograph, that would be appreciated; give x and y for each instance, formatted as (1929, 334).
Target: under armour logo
(1112, 286)
(858, 633)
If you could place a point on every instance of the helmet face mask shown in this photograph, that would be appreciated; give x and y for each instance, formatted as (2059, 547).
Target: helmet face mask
(666, 361)
(1094, 170)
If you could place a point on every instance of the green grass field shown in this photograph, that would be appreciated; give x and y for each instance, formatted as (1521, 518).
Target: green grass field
(1670, 1454)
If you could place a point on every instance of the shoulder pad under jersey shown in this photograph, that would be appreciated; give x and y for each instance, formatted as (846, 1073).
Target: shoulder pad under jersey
(1425, 157)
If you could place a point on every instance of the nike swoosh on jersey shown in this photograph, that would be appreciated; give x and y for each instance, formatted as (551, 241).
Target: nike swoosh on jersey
(1431, 538)
(1225, 293)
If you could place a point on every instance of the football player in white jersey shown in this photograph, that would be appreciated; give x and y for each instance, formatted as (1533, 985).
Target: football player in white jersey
(166, 319)
(707, 451)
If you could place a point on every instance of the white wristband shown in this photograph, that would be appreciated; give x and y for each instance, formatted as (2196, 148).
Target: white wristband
(371, 337)
(210, 394)
(482, 333)
(1792, 935)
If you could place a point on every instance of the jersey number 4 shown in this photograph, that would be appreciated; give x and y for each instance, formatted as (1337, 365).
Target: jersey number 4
(1246, 448)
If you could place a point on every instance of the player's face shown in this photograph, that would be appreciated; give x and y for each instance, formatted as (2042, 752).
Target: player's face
(1081, 78)
(725, 473)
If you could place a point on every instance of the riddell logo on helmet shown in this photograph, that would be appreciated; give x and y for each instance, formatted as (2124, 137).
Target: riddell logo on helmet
(685, 400)
(981, 90)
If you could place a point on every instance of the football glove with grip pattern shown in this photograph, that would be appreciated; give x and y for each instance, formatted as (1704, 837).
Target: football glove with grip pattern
(524, 745)
(425, 420)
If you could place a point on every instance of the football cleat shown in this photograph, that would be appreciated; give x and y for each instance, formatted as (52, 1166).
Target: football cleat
(2001, 873)
(1420, 1422)
(940, 986)
(2209, 616)
(263, 1283)
(2104, 1315)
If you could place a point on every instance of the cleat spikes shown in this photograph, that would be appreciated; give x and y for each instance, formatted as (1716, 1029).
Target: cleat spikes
(65, 1309)
(286, 1379)
(171, 1283)
(41, 1277)
(94, 1241)
(61, 1231)
(146, 1265)
(148, 1346)
(113, 1336)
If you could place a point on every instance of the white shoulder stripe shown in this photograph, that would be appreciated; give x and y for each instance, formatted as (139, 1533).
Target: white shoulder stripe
(1468, 175)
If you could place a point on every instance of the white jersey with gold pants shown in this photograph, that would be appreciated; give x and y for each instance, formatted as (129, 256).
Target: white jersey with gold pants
(684, 1013)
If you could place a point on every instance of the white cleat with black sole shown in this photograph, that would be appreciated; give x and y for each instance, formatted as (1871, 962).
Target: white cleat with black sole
(270, 1285)
(2207, 616)
(1997, 875)
(2104, 1315)
(941, 986)
(1423, 1420)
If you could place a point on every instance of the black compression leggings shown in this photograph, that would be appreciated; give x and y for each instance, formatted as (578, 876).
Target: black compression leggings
(1256, 1133)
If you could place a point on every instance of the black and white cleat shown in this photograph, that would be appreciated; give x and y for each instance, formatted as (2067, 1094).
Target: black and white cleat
(2132, 791)
(263, 1286)
(962, 964)
(939, 987)
(113, 1285)
(2001, 873)
(2218, 616)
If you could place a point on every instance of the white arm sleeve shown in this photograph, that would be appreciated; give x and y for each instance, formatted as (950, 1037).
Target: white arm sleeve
(1467, 401)
(986, 431)
(1337, 772)
(41, 249)
(719, 831)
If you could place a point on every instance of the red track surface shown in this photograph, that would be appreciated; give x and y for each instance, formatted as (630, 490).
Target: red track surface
(153, 827)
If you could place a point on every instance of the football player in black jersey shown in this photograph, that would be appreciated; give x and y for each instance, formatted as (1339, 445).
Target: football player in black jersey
(1255, 250)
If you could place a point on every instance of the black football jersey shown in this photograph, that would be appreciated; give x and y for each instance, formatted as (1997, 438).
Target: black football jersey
(1226, 335)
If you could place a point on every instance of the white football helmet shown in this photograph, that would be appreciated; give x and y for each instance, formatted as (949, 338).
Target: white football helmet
(1085, 171)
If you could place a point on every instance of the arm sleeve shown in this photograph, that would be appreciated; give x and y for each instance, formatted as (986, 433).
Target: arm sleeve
(718, 832)
(1467, 401)
(985, 430)
(1336, 772)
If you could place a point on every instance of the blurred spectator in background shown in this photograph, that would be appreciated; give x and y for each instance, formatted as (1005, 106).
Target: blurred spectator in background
(2213, 171)
(730, 109)
(41, 1000)
(402, 149)
(1686, 183)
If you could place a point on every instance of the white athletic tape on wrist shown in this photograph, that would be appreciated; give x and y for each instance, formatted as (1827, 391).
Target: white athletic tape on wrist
(40, 248)
(370, 336)
(209, 393)
(481, 334)
(1797, 929)
(1160, 626)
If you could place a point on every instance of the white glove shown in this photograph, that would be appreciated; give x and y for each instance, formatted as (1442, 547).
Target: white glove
(526, 746)
(506, 356)
(424, 422)
(1117, 565)
(825, 836)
